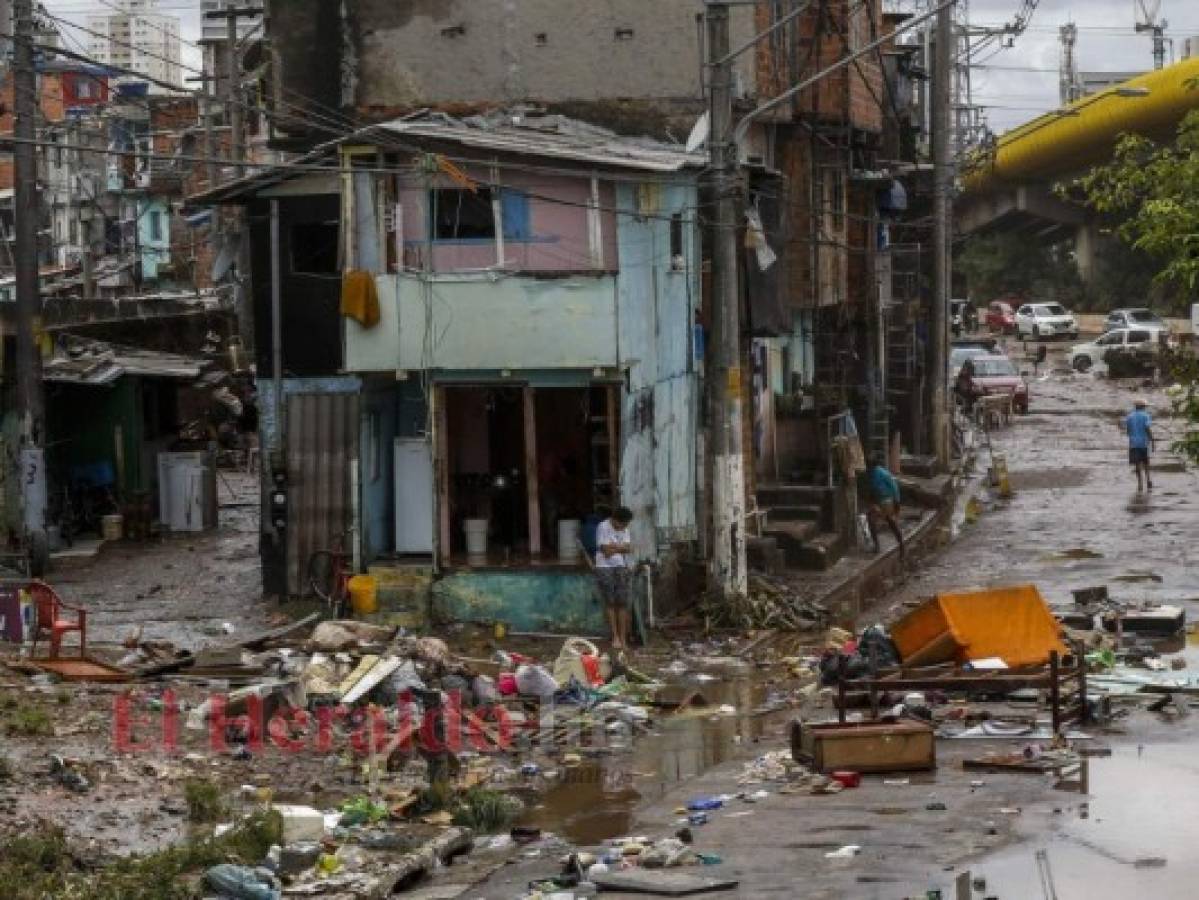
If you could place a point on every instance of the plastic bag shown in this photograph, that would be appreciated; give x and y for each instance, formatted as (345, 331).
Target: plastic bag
(242, 882)
(535, 681)
(580, 659)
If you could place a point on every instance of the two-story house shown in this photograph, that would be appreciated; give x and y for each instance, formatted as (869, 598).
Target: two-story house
(524, 359)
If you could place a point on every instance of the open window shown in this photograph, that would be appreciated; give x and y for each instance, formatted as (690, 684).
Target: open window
(462, 215)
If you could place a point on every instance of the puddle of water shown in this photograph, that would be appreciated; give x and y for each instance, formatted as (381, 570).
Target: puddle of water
(600, 798)
(1126, 841)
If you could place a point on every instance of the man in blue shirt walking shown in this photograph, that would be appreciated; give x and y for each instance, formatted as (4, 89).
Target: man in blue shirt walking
(884, 503)
(1138, 424)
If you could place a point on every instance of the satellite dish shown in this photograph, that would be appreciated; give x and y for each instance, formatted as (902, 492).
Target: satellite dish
(1147, 11)
(699, 134)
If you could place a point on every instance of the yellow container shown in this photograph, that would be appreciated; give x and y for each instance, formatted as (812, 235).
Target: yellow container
(364, 595)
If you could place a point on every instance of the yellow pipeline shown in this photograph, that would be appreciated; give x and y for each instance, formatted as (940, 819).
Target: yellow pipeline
(1060, 141)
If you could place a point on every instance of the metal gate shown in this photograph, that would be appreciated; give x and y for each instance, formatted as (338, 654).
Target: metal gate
(322, 440)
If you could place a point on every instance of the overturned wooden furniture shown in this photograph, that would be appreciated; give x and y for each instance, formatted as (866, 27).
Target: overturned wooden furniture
(1066, 685)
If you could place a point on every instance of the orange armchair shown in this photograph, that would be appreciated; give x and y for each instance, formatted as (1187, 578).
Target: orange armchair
(49, 608)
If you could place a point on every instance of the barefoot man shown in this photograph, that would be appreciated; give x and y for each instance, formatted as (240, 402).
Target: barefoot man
(613, 574)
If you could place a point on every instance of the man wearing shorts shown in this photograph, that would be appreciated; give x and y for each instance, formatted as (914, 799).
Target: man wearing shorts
(1138, 424)
(884, 503)
(613, 574)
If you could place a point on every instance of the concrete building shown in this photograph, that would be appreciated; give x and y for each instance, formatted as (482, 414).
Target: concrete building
(140, 38)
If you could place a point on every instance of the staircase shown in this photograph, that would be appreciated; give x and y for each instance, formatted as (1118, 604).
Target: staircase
(800, 530)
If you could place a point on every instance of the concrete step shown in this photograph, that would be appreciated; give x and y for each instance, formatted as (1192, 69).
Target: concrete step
(772, 495)
(820, 553)
(792, 539)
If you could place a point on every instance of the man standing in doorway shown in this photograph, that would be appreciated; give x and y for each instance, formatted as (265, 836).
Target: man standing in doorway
(613, 574)
(1138, 426)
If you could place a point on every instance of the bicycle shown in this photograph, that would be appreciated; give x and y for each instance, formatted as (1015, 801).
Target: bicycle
(329, 573)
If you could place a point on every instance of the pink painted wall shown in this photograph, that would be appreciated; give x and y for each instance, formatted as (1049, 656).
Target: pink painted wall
(558, 219)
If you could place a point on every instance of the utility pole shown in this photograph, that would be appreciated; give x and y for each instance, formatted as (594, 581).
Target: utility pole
(942, 231)
(728, 462)
(237, 153)
(31, 402)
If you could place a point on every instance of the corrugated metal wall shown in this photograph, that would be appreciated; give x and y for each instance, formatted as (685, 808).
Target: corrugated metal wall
(322, 439)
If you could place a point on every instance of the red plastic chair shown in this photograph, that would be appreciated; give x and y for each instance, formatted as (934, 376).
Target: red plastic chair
(49, 608)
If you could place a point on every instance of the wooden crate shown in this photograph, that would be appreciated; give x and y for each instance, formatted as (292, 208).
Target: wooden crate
(865, 746)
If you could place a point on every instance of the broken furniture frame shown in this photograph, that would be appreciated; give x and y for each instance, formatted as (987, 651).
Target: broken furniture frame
(1066, 684)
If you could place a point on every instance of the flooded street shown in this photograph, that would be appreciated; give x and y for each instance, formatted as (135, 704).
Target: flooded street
(1075, 521)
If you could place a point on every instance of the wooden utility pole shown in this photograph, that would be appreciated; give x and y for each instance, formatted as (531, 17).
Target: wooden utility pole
(237, 153)
(31, 402)
(942, 231)
(729, 569)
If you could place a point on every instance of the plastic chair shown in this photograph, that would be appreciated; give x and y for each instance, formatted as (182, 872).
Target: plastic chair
(49, 619)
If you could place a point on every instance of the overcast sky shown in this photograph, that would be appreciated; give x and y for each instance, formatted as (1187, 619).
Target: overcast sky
(1015, 84)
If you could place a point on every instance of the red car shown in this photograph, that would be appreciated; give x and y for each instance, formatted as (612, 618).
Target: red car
(986, 375)
(1001, 317)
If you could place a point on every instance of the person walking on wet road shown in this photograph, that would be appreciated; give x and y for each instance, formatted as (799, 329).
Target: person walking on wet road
(1138, 426)
(884, 503)
(613, 573)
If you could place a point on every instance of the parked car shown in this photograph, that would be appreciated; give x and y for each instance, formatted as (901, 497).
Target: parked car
(1084, 357)
(959, 355)
(1045, 320)
(963, 317)
(1138, 317)
(1000, 317)
(994, 374)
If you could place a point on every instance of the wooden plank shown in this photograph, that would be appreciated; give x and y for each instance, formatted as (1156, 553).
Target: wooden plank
(533, 488)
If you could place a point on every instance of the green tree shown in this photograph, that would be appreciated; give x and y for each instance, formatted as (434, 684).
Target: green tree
(1151, 192)
(1018, 263)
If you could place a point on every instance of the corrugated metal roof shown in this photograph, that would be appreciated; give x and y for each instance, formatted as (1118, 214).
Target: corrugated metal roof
(99, 364)
(545, 137)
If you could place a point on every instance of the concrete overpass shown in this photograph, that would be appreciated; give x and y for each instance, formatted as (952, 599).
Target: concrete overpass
(1009, 187)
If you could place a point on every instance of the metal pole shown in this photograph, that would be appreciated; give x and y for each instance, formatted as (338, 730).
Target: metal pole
(277, 329)
(233, 79)
(728, 465)
(30, 399)
(942, 229)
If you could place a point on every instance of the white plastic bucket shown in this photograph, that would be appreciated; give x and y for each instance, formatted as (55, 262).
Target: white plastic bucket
(476, 537)
(568, 540)
(112, 527)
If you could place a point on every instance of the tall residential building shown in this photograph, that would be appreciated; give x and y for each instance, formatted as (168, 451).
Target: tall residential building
(140, 38)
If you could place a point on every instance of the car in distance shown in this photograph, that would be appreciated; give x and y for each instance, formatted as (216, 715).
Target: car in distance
(1045, 320)
(1135, 317)
(1000, 317)
(959, 355)
(995, 374)
(1084, 357)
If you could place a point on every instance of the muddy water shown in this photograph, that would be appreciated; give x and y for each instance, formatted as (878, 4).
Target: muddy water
(1134, 836)
(597, 800)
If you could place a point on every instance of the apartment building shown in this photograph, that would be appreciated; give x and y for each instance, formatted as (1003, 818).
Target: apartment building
(135, 35)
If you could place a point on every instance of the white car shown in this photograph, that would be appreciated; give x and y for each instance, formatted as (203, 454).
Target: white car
(1084, 357)
(1045, 320)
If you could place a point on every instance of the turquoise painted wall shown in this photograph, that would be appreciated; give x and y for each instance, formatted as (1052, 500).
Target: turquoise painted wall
(558, 602)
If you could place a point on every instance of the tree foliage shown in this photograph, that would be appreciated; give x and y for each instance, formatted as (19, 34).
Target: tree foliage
(1018, 263)
(1151, 192)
